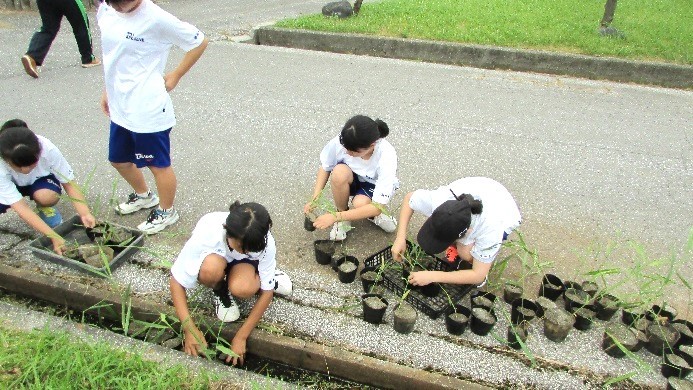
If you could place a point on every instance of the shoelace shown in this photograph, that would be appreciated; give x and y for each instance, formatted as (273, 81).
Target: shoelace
(154, 215)
(132, 198)
(223, 297)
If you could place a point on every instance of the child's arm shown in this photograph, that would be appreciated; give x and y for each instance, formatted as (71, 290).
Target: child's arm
(80, 204)
(172, 78)
(405, 214)
(238, 344)
(194, 341)
(475, 276)
(320, 183)
(32, 219)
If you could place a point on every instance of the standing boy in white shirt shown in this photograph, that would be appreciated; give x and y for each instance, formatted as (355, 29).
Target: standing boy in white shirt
(136, 38)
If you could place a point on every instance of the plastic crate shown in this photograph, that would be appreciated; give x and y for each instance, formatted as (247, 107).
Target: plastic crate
(431, 306)
(73, 230)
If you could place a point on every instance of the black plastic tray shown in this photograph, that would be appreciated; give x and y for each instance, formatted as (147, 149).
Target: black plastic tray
(71, 230)
(431, 306)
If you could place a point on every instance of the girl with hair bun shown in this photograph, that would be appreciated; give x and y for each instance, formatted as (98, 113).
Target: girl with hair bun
(470, 217)
(361, 164)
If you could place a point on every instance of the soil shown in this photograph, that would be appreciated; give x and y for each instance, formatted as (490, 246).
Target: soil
(458, 317)
(664, 333)
(405, 312)
(608, 301)
(526, 312)
(642, 324)
(375, 303)
(511, 292)
(370, 276)
(326, 247)
(482, 301)
(577, 296)
(483, 315)
(378, 289)
(623, 335)
(677, 361)
(559, 317)
(590, 288)
(347, 267)
(680, 384)
(545, 304)
(683, 329)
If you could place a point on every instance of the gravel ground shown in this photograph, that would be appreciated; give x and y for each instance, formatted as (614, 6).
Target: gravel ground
(329, 312)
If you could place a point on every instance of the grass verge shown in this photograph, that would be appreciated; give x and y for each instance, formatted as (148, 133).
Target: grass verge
(51, 360)
(656, 30)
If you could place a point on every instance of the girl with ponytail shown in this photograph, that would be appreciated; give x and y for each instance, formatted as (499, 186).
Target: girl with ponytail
(470, 217)
(361, 164)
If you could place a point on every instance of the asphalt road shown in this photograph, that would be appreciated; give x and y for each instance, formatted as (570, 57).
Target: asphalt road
(588, 162)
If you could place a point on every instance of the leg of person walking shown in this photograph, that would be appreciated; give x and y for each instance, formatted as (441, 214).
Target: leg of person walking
(41, 41)
(76, 14)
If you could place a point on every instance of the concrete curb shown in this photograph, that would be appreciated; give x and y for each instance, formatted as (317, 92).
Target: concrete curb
(332, 360)
(488, 57)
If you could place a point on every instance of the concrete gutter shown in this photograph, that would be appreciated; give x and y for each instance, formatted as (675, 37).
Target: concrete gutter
(488, 57)
(334, 361)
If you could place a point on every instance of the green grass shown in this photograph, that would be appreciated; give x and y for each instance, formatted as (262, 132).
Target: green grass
(657, 30)
(43, 359)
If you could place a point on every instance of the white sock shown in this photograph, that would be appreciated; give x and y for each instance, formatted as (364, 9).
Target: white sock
(145, 195)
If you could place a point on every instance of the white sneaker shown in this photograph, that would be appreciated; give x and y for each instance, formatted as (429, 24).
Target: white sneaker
(385, 222)
(339, 230)
(226, 308)
(136, 202)
(158, 220)
(282, 283)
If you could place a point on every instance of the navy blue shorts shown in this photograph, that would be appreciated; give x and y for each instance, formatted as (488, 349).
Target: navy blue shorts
(49, 182)
(141, 149)
(358, 187)
(230, 265)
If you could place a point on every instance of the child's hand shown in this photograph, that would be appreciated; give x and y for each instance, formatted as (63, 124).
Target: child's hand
(238, 347)
(421, 278)
(170, 81)
(58, 244)
(324, 221)
(398, 247)
(194, 342)
(307, 208)
(88, 220)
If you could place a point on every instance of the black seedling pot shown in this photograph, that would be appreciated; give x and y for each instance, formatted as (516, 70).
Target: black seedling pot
(324, 250)
(403, 319)
(458, 323)
(675, 366)
(430, 290)
(674, 383)
(661, 338)
(590, 288)
(517, 333)
(348, 276)
(544, 304)
(575, 299)
(522, 310)
(621, 333)
(557, 324)
(482, 321)
(584, 318)
(373, 315)
(632, 315)
(571, 284)
(308, 224)
(368, 282)
(662, 311)
(487, 302)
(511, 292)
(606, 306)
(685, 329)
(551, 287)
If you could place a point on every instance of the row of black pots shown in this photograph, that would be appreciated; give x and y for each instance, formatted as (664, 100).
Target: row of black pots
(324, 255)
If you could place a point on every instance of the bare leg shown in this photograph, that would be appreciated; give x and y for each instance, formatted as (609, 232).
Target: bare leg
(340, 180)
(45, 197)
(243, 281)
(166, 184)
(133, 176)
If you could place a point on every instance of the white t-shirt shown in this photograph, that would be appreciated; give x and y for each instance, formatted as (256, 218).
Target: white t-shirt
(209, 237)
(380, 169)
(50, 161)
(500, 213)
(135, 48)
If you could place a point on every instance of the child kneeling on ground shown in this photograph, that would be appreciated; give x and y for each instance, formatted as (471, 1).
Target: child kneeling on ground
(359, 163)
(33, 166)
(233, 254)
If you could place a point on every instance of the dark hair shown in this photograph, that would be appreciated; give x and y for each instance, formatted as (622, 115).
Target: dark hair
(475, 206)
(19, 146)
(13, 123)
(250, 223)
(360, 132)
